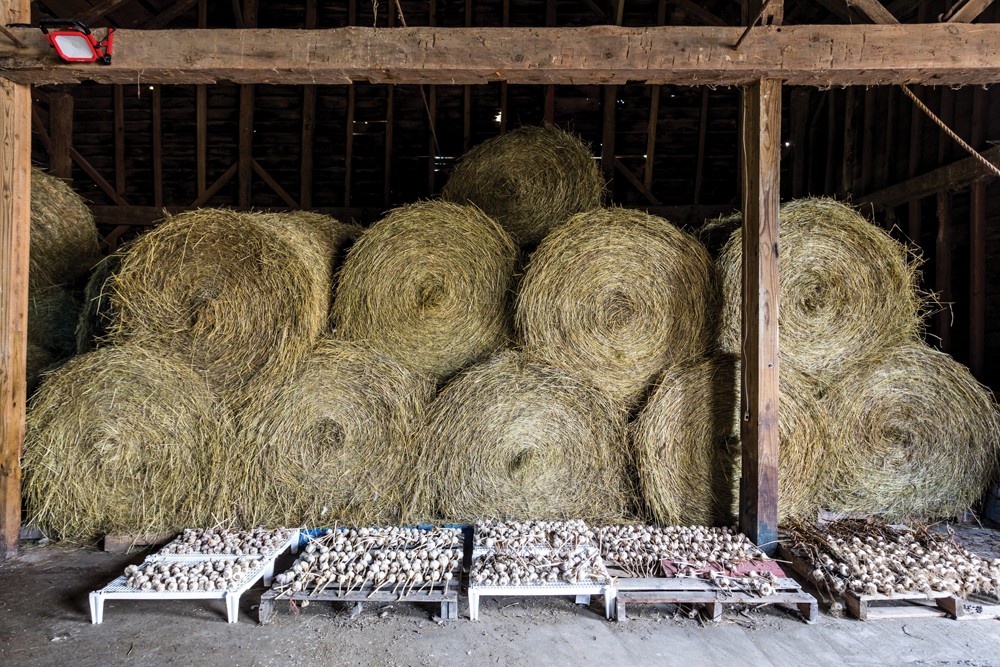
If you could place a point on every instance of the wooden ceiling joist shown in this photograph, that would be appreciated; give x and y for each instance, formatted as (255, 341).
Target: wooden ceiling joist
(874, 10)
(820, 55)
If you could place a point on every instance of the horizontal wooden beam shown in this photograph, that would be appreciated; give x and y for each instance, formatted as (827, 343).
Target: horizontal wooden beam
(955, 176)
(820, 55)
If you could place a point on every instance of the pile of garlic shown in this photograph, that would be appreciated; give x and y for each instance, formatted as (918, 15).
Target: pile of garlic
(694, 550)
(207, 575)
(256, 542)
(501, 535)
(379, 558)
(871, 559)
(533, 568)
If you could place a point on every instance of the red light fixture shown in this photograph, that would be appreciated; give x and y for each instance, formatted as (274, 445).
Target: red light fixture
(74, 42)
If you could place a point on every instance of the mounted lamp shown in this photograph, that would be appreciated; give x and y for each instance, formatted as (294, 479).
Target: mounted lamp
(74, 42)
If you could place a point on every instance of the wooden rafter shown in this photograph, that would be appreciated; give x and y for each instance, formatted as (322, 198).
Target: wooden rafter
(967, 12)
(799, 55)
(101, 10)
(165, 17)
(61, 134)
(874, 10)
(949, 178)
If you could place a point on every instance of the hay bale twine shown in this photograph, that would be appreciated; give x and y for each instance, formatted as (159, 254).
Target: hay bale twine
(234, 294)
(122, 440)
(529, 180)
(517, 439)
(686, 442)
(915, 435)
(63, 233)
(428, 285)
(334, 442)
(52, 316)
(616, 295)
(848, 289)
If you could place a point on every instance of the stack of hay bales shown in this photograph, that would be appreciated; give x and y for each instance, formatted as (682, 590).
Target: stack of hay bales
(63, 248)
(429, 286)
(911, 431)
(515, 439)
(615, 295)
(529, 180)
(205, 311)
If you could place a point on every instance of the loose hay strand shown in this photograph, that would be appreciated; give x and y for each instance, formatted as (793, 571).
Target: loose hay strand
(428, 285)
(517, 439)
(530, 180)
(616, 295)
(332, 443)
(122, 440)
(916, 434)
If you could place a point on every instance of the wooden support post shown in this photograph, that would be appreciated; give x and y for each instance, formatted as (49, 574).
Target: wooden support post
(467, 94)
(349, 146)
(308, 123)
(977, 246)
(608, 136)
(119, 96)
(829, 177)
(847, 174)
(942, 270)
(61, 134)
(157, 148)
(759, 360)
(245, 144)
(15, 229)
(799, 121)
(654, 114)
(201, 116)
(699, 167)
(549, 112)
(505, 22)
(432, 146)
(868, 141)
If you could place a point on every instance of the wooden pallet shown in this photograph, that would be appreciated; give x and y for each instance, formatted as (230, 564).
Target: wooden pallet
(447, 599)
(901, 605)
(708, 597)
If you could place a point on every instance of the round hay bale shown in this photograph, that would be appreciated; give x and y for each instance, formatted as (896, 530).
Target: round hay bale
(52, 317)
(915, 435)
(96, 317)
(687, 444)
(234, 294)
(428, 286)
(63, 233)
(334, 443)
(616, 295)
(528, 180)
(122, 440)
(516, 439)
(848, 289)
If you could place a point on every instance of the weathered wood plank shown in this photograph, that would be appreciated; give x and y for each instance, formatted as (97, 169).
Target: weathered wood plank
(119, 102)
(61, 134)
(942, 270)
(820, 55)
(157, 146)
(15, 225)
(759, 359)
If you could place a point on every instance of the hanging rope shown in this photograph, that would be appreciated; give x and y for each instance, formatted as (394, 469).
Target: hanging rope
(427, 106)
(993, 169)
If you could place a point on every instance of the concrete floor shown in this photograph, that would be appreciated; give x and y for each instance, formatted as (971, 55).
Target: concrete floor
(45, 620)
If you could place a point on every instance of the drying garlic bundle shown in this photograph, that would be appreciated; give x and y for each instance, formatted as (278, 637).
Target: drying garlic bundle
(538, 568)
(213, 575)
(867, 558)
(258, 541)
(501, 535)
(692, 550)
(394, 559)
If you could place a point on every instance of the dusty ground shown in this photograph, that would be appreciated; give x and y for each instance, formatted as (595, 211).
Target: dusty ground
(44, 620)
